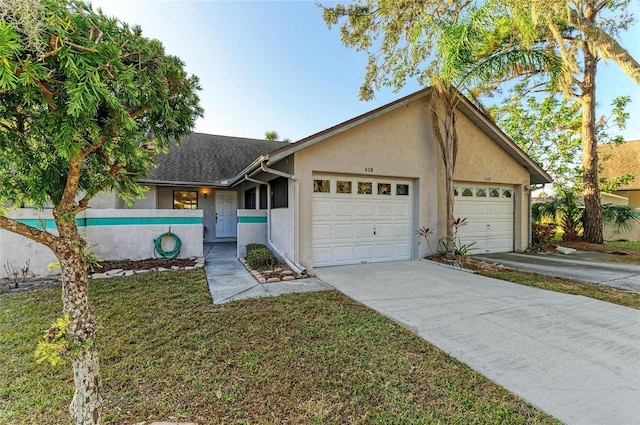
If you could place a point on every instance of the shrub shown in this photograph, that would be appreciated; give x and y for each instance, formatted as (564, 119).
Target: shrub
(260, 257)
(252, 246)
(542, 233)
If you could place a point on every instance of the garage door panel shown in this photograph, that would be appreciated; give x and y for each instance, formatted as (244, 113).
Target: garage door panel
(402, 230)
(322, 232)
(361, 228)
(344, 209)
(364, 209)
(384, 210)
(343, 231)
(384, 230)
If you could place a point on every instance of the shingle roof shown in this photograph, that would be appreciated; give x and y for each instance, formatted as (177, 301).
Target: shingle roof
(618, 160)
(208, 159)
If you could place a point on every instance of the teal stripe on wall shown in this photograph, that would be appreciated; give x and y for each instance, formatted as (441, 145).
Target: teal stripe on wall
(132, 221)
(245, 219)
(48, 224)
(116, 221)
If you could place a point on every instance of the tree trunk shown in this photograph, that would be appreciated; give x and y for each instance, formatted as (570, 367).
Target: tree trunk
(591, 184)
(86, 407)
(450, 141)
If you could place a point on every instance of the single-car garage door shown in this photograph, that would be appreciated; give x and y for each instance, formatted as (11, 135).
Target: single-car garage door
(488, 210)
(361, 219)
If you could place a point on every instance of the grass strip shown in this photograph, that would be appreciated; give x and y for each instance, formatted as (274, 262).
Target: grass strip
(567, 286)
(167, 353)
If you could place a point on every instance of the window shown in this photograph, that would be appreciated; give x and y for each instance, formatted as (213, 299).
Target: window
(263, 196)
(250, 199)
(494, 192)
(506, 193)
(384, 188)
(481, 192)
(456, 192)
(185, 199)
(402, 189)
(343, 187)
(365, 188)
(321, 186)
(280, 192)
(467, 191)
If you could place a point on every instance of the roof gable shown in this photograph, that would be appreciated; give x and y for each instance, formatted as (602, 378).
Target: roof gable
(538, 175)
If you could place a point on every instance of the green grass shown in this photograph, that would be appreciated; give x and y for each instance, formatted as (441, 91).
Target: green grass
(568, 286)
(168, 353)
(627, 245)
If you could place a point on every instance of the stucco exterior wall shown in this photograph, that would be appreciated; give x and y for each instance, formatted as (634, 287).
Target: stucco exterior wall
(632, 195)
(252, 228)
(481, 160)
(633, 234)
(397, 144)
(113, 234)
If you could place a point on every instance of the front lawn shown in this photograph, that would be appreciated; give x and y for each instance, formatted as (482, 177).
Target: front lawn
(168, 353)
(626, 245)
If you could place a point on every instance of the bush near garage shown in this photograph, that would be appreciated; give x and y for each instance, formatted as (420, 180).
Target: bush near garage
(543, 233)
(260, 256)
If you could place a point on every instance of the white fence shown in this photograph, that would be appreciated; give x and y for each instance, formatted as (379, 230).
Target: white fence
(112, 234)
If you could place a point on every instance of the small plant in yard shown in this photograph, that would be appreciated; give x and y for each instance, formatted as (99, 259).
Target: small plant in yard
(543, 233)
(425, 232)
(17, 275)
(260, 256)
(460, 249)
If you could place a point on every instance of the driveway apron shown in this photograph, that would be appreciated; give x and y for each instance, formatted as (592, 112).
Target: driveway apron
(575, 358)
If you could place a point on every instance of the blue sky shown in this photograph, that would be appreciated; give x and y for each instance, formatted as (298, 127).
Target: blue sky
(274, 65)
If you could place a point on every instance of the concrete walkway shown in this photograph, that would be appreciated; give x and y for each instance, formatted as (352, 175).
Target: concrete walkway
(229, 280)
(582, 266)
(575, 358)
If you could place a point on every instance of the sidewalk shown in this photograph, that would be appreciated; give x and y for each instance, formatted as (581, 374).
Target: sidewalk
(229, 280)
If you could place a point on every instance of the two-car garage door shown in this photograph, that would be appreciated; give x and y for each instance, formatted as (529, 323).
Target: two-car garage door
(361, 219)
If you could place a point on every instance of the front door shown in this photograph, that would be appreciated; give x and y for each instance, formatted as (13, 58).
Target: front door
(225, 216)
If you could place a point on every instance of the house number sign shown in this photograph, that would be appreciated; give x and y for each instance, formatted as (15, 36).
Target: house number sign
(368, 170)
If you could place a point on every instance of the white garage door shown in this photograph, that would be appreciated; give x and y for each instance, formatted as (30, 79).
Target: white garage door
(358, 219)
(489, 217)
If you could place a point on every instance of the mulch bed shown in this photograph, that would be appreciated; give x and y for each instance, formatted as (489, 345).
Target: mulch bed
(468, 263)
(149, 263)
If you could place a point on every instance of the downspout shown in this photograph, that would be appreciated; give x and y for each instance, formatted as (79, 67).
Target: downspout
(297, 268)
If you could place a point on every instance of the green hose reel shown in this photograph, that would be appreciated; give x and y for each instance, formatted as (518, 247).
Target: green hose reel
(170, 254)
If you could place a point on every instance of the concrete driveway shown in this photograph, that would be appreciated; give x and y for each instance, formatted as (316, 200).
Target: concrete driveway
(575, 358)
(582, 266)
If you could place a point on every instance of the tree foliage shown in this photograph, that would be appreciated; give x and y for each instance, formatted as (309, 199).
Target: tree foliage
(548, 129)
(82, 96)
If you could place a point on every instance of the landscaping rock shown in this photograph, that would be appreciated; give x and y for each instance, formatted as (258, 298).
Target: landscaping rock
(129, 273)
(287, 273)
(565, 251)
(175, 268)
(287, 278)
(162, 269)
(142, 271)
(114, 271)
(273, 280)
(190, 268)
(262, 280)
(101, 276)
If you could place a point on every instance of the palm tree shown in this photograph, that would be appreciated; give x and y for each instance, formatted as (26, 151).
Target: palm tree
(273, 136)
(461, 68)
(569, 211)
